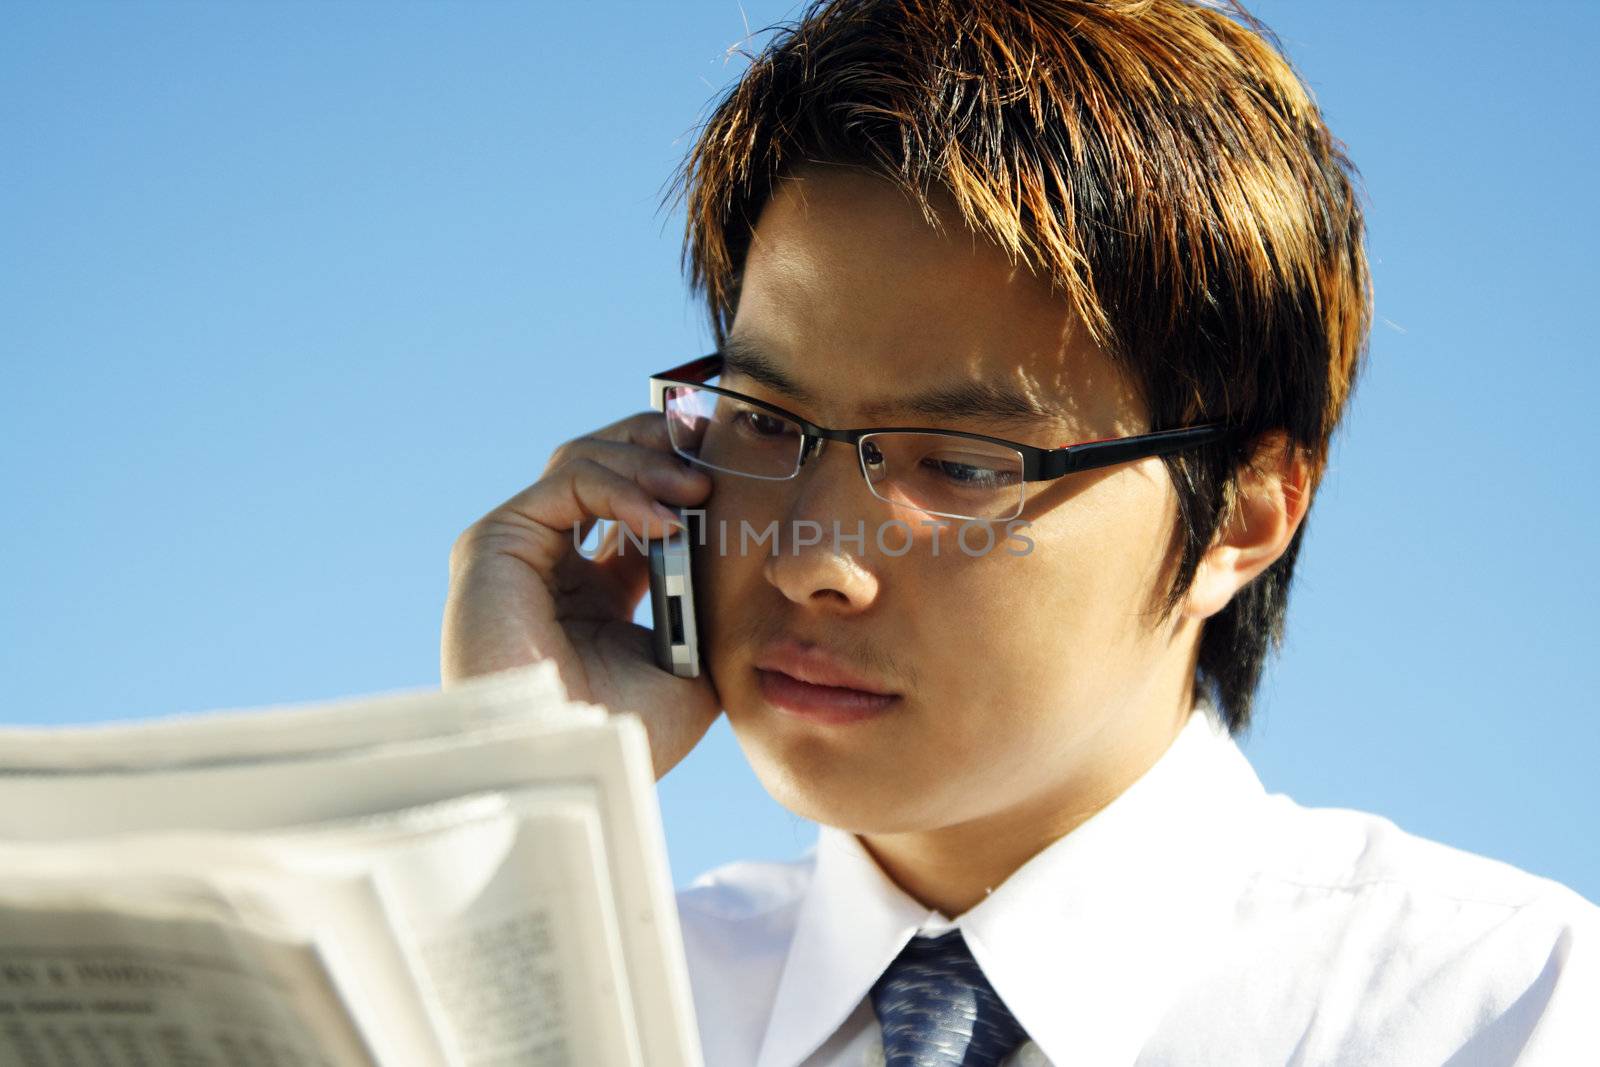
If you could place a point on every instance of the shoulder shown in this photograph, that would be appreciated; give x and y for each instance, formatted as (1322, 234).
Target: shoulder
(1434, 942)
(737, 922)
(1349, 854)
(743, 910)
(747, 889)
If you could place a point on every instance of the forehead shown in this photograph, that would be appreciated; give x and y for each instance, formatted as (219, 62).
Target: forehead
(847, 283)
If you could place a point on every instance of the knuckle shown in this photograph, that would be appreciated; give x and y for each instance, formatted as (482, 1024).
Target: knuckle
(594, 485)
(466, 544)
(587, 467)
(563, 454)
(653, 430)
(494, 533)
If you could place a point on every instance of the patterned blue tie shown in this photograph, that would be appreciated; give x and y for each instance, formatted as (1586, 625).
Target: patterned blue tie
(938, 1010)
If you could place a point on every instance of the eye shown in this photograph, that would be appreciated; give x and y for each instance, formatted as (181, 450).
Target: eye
(760, 424)
(968, 475)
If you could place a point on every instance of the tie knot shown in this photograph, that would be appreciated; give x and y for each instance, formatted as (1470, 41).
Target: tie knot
(938, 1010)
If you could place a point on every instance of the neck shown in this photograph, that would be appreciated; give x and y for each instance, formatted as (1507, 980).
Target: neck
(952, 868)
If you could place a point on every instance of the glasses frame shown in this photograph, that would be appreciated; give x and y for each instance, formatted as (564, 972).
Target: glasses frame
(1038, 464)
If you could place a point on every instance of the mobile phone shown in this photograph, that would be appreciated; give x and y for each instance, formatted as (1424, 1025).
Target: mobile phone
(677, 637)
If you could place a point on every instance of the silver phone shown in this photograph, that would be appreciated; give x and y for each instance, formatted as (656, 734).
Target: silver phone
(677, 637)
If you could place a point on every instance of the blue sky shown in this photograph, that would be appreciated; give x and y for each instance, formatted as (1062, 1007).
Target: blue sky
(292, 293)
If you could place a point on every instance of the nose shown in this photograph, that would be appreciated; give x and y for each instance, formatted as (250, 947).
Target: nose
(818, 562)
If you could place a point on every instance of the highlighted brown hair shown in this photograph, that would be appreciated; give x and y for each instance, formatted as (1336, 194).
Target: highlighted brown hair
(1158, 160)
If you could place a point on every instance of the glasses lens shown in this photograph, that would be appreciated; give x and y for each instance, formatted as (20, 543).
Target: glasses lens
(958, 477)
(725, 434)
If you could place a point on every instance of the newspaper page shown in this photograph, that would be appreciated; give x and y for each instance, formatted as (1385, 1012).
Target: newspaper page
(184, 777)
(87, 982)
(508, 925)
(611, 758)
(490, 914)
(531, 696)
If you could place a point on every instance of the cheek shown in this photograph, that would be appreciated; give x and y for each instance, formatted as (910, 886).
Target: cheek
(724, 576)
(1065, 623)
(734, 599)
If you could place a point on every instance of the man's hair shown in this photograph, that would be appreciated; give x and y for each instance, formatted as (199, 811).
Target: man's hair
(1159, 161)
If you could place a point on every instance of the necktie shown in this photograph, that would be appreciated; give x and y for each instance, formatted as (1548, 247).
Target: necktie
(938, 1010)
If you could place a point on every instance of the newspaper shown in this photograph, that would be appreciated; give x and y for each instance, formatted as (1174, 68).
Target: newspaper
(467, 878)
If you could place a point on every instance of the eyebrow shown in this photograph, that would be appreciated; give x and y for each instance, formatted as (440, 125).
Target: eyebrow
(740, 355)
(964, 400)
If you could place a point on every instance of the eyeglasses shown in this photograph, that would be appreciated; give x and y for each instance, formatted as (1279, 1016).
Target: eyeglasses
(948, 473)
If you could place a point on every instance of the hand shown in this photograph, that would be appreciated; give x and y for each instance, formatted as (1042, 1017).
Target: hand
(521, 593)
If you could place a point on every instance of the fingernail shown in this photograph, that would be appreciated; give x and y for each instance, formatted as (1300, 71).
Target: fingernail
(668, 516)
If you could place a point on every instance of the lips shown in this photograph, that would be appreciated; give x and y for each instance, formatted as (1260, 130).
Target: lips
(810, 663)
(810, 683)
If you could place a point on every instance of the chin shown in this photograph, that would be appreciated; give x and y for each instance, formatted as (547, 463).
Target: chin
(826, 783)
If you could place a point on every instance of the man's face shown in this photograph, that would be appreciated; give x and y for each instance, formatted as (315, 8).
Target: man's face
(1021, 682)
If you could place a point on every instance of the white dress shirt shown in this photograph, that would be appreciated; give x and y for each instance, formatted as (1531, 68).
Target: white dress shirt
(1195, 920)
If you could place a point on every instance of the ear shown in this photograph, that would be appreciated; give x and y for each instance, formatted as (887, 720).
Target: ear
(1272, 498)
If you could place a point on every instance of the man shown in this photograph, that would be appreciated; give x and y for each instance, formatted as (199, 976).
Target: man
(986, 231)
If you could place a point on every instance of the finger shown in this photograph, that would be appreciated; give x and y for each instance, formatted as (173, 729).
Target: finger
(663, 475)
(538, 524)
(648, 429)
(606, 584)
(610, 583)
(625, 578)
(678, 481)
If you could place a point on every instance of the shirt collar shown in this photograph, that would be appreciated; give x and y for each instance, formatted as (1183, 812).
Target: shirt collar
(1086, 943)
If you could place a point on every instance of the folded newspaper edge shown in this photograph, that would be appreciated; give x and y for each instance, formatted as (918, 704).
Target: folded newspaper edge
(285, 731)
(452, 878)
